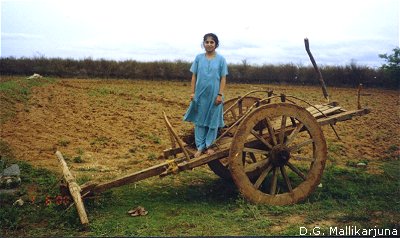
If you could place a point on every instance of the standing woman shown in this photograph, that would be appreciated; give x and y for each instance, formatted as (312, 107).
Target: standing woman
(209, 72)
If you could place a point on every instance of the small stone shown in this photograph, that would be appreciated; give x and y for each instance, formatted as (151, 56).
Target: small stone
(9, 191)
(35, 76)
(361, 165)
(320, 185)
(13, 170)
(19, 202)
(10, 182)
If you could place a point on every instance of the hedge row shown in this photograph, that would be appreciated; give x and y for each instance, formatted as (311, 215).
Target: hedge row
(349, 75)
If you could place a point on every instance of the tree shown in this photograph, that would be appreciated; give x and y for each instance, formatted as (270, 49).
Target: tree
(392, 67)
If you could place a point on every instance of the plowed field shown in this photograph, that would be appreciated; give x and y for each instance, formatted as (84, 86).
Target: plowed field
(109, 128)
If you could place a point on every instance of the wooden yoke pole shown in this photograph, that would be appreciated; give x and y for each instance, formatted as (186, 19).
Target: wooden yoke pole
(74, 189)
(321, 80)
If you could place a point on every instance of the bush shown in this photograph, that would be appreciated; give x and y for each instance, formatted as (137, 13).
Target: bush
(350, 75)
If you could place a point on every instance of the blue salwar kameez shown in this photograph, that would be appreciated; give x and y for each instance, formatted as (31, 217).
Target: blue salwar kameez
(202, 110)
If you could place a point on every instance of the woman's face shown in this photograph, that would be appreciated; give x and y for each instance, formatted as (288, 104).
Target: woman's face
(209, 44)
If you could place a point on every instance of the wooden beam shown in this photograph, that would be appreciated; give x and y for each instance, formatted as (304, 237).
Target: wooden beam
(171, 152)
(175, 135)
(131, 178)
(74, 190)
(343, 116)
(256, 151)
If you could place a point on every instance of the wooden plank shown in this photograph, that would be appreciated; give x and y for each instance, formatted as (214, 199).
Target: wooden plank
(312, 109)
(74, 190)
(327, 111)
(347, 115)
(319, 108)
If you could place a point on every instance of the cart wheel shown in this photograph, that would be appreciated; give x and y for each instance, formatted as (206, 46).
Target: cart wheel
(293, 151)
(220, 167)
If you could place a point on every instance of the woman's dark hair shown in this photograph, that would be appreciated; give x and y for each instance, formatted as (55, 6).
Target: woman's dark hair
(213, 36)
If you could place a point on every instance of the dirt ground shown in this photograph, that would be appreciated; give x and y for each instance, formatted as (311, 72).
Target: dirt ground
(110, 128)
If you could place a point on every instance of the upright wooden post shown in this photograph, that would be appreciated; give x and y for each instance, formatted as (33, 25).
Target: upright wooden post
(321, 80)
(358, 96)
(74, 189)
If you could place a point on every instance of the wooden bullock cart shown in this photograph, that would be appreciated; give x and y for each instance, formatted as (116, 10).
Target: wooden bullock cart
(272, 147)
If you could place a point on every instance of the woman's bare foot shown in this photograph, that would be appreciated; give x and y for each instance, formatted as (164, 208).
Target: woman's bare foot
(198, 153)
(210, 151)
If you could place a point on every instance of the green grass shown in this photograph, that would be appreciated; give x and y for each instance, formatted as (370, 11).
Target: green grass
(101, 92)
(213, 207)
(63, 142)
(16, 90)
(197, 203)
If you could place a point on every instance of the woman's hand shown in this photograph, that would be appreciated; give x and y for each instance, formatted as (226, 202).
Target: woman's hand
(218, 100)
(191, 96)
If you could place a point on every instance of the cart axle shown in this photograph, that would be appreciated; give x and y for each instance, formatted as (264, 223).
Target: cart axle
(280, 156)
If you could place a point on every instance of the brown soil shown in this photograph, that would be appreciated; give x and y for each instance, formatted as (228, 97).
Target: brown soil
(116, 127)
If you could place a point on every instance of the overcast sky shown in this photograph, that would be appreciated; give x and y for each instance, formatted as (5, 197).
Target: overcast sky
(258, 31)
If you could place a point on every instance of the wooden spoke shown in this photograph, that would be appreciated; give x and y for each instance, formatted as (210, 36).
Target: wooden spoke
(240, 106)
(271, 131)
(296, 170)
(294, 133)
(260, 131)
(255, 151)
(286, 178)
(260, 138)
(234, 115)
(262, 176)
(274, 181)
(294, 124)
(282, 131)
(259, 165)
(252, 157)
(244, 157)
(298, 146)
(226, 166)
(300, 158)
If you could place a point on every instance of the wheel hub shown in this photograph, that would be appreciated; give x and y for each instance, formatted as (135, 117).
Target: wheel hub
(280, 155)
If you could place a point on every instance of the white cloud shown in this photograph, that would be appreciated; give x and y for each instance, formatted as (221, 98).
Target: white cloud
(20, 36)
(256, 30)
